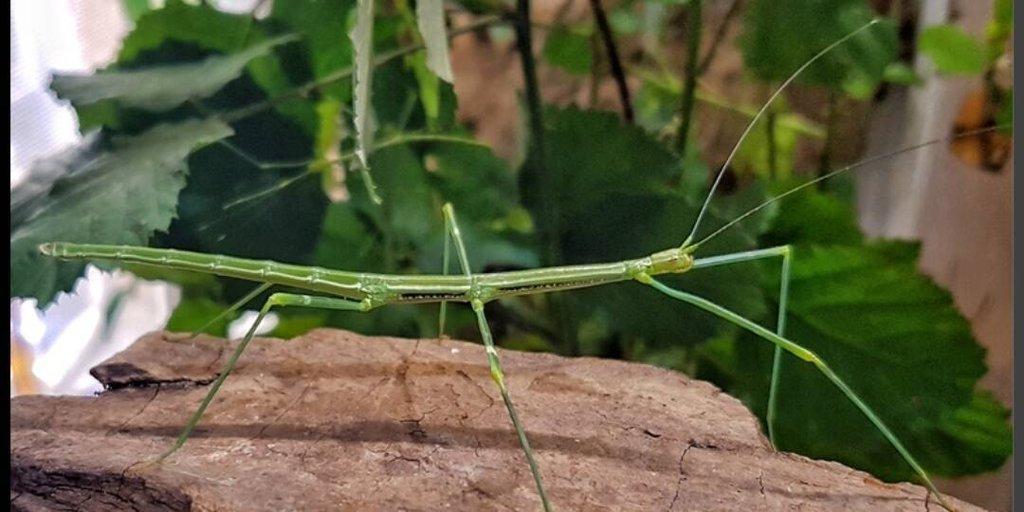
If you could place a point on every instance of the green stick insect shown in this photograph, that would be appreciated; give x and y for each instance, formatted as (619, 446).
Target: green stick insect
(361, 292)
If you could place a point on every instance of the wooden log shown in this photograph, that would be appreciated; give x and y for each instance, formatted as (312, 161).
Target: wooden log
(337, 421)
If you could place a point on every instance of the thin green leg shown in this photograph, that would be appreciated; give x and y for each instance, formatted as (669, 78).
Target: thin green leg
(499, 379)
(443, 312)
(232, 308)
(786, 252)
(780, 329)
(805, 355)
(277, 299)
(492, 358)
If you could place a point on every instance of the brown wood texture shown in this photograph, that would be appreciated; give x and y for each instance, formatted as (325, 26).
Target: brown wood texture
(337, 421)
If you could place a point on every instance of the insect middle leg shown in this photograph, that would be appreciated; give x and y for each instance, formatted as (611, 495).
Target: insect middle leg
(786, 252)
(492, 355)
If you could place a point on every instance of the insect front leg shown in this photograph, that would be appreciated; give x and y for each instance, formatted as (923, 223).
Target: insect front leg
(277, 299)
(443, 309)
(786, 252)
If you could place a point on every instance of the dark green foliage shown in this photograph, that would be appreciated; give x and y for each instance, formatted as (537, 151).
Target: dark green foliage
(779, 37)
(622, 195)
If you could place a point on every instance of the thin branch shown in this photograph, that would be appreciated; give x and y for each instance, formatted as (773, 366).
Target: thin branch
(690, 86)
(550, 216)
(720, 32)
(604, 29)
(535, 149)
(831, 119)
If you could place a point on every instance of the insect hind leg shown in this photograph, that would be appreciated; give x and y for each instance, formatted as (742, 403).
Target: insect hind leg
(275, 300)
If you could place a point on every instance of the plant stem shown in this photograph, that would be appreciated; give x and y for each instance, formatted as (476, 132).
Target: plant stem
(535, 146)
(773, 149)
(690, 86)
(605, 30)
(720, 33)
(825, 163)
(550, 216)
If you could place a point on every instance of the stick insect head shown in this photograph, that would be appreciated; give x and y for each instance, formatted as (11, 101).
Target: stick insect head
(51, 249)
(675, 261)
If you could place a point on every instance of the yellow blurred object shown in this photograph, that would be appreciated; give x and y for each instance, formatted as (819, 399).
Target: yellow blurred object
(23, 382)
(989, 150)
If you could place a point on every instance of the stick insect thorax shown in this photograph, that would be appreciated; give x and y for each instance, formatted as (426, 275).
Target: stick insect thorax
(376, 290)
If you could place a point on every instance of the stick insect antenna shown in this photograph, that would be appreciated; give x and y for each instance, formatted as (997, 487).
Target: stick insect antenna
(754, 120)
(832, 174)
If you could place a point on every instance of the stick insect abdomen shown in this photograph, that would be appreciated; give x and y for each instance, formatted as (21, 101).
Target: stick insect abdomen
(334, 282)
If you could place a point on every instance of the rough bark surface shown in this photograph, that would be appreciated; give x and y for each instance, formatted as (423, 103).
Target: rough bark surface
(337, 421)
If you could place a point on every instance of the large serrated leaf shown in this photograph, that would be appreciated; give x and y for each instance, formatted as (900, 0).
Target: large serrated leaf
(430, 18)
(161, 34)
(120, 195)
(889, 331)
(160, 88)
(899, 342)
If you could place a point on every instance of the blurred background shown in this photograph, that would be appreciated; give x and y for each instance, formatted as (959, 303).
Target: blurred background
(955, 198)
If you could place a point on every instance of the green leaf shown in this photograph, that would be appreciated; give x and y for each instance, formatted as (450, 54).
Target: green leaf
(430, 91)
(362, 40)
(999, 29)
(201, 25)
(979, 434)
(897, 339)
(952, 50)
(569, 50)
(430, 18)
(160, 88)
(902, 74)
(294, 323)
(31, 195)
(779, 37)
(120, 195)
(625, 21)
(232, 207)
(812, 217)
(171, 34)
(320, 23)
